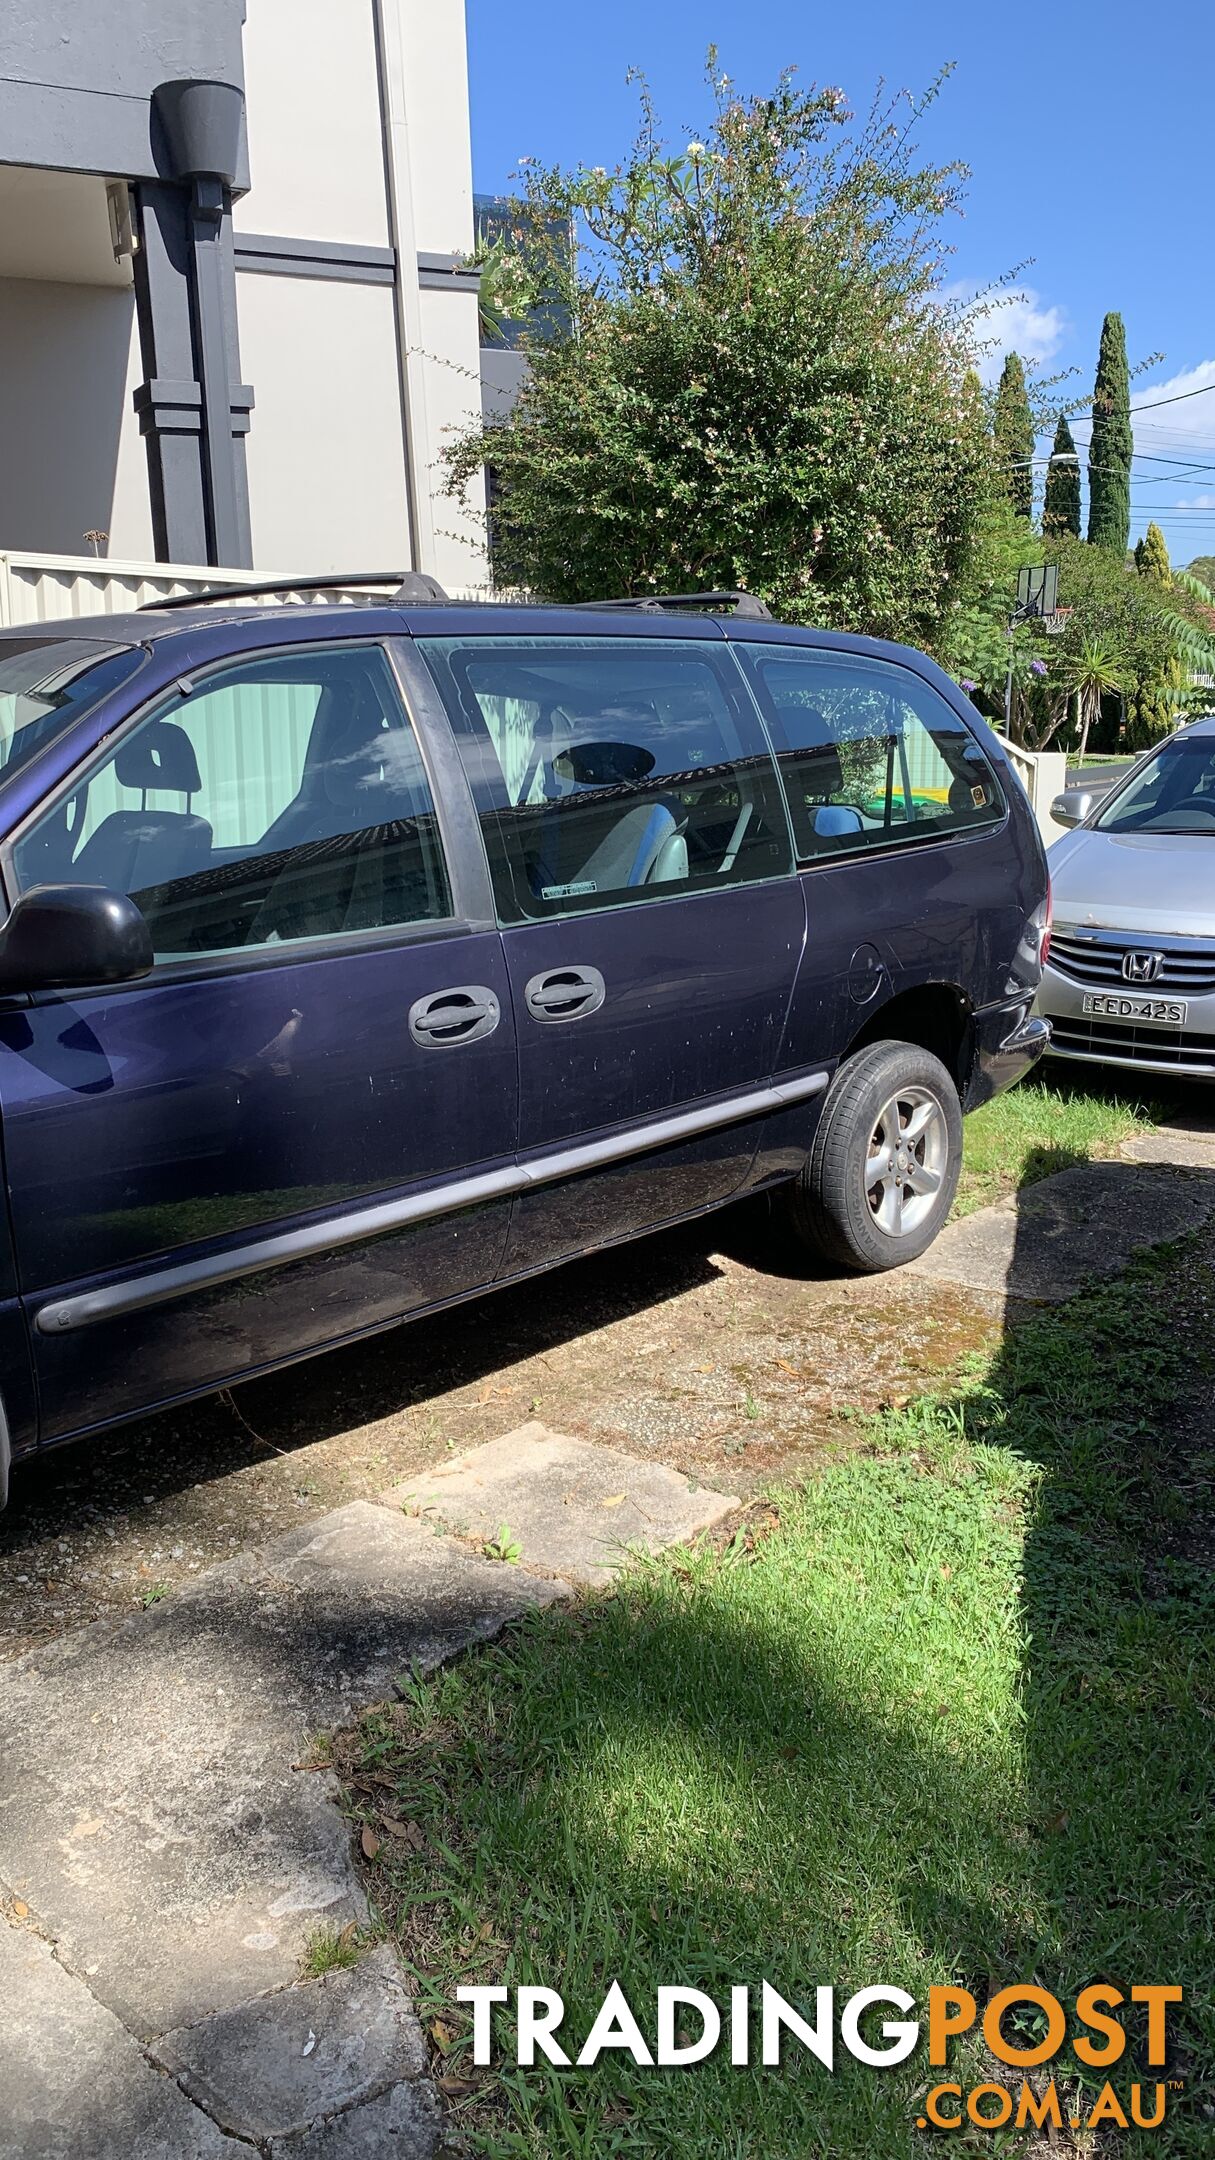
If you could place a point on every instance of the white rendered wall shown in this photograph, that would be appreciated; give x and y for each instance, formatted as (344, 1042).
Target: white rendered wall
(316, 149)
(71, 457)
(425, 63)
(325, 453)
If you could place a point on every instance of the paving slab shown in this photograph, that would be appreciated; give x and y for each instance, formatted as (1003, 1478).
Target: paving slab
(1189, 1144)
(1043, 1243)
(288, 2060)
(74, 2085)
(404, 2124)
(573, 1509)
(150, 1813)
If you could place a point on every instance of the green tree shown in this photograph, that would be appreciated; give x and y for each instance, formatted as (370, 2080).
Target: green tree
(975, 641)
(1152, 556)
(1061, 511)
(1013, 430)
(1093, 671)
(1111, 444)
(753, 390)
(1154, 708)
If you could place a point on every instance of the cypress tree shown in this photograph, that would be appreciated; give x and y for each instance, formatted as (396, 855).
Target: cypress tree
(1111, 444)
(1061, 513)
(1013, 429)
(1152, 556)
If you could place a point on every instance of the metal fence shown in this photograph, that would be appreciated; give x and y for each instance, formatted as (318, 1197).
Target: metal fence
(45, 588)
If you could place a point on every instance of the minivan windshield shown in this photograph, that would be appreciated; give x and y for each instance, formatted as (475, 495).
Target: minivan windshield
(1173, 793)
(47, 683)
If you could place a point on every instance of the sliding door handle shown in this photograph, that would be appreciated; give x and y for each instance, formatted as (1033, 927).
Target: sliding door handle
(449, 1017)
(565, 993)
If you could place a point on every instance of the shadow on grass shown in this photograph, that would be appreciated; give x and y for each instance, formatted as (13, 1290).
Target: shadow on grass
(950, 1720)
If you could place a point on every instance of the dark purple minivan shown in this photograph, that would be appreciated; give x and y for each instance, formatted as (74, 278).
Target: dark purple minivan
(359, 959)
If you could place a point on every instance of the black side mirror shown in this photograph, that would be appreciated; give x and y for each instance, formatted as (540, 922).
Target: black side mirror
(61, 937)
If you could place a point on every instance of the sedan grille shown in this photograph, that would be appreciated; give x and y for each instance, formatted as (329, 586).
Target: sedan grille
(1146, 1045)
(1187, 964)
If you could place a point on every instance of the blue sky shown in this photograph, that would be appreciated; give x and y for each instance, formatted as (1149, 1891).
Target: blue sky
(1088, 141)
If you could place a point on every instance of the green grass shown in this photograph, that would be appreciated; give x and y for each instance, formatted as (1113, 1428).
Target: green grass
(946, 1715)
(1038, 1128)
(331, 1949)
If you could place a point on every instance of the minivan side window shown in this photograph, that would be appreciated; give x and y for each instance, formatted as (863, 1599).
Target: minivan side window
(282, 798)
(610, 770)
(870, 754)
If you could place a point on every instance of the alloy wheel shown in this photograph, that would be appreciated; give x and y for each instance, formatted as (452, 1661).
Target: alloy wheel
(906, 1160)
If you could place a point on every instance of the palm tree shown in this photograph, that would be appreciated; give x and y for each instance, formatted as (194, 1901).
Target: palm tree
(1095, 670)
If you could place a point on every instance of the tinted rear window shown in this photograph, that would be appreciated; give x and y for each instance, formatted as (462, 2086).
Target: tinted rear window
(872, 756)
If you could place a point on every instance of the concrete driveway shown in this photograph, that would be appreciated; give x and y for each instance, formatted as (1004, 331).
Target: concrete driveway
(710, 1348)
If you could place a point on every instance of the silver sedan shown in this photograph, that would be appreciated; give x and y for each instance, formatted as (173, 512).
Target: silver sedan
(1130, 979)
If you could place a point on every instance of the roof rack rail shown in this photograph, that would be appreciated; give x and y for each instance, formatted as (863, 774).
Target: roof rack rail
(411, 586)
(705, 603)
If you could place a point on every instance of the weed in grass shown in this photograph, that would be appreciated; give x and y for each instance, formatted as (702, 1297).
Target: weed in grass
(330, 1949)
(503, 1546)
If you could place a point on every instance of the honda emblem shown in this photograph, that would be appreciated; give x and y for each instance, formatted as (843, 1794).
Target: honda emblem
(1142, 967)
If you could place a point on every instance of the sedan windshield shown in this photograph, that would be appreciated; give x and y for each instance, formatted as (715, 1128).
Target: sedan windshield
(46, 683)
(1173, 793)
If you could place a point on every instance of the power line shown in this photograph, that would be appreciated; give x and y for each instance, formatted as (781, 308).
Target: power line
(1153, 404)
(1180, 398)
(1146, 457)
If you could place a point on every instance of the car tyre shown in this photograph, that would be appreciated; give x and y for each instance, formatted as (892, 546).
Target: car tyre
(885, 1162)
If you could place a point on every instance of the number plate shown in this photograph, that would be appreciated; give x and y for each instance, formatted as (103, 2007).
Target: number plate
(1145, 1012)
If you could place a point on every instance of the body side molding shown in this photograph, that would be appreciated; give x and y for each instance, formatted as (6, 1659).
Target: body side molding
(61, 1315)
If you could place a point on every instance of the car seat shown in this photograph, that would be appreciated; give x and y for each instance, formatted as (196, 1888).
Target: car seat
(646, 843)
(351, 851)
(134, 849)
(358, 774)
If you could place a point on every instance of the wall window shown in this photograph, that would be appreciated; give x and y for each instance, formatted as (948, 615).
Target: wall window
(870, 754)
(284, 798)
(608, 770)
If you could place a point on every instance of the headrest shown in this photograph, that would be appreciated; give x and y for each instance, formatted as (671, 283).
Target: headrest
(604, 764)
(818, 768)
(833, 820)
(968, 795)
(160, 756)
(369, 771)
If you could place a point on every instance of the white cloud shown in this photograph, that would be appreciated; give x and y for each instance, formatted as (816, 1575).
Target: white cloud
(1184, 429)
(1175, 423)
(1011, 322)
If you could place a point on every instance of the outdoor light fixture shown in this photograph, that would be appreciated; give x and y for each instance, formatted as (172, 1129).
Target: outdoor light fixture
(122, 230)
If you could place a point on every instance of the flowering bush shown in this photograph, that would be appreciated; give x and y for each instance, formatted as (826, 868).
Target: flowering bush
(748, 377)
